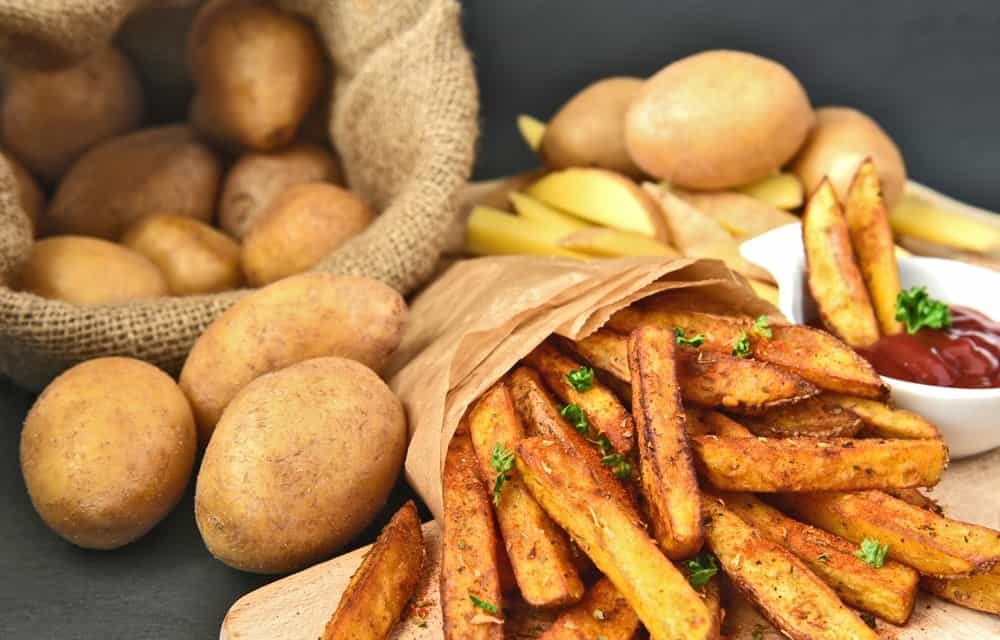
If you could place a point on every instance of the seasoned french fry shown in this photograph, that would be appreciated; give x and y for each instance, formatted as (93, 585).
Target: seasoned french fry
(884, 421)
(603, 410)
(666, 468)
(720, 424)
(711, 594)
(603, 613)
(818, 417)
(888, 592)
(980, 592)
(917, 499)
(767, 465)
(929, 543)
(662, 598)
(834, 278)
(469, 550)
(539, 552)
(782, 587)
(386, 580)
(721, 332)
(871, 236)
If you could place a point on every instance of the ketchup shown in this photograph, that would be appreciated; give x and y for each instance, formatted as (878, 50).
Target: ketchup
(965, 355)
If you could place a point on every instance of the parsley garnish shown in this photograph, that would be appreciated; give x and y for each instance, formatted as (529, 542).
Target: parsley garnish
(868, 619)
(758, 632)
(581, 379)
(742, 347)
(762, 327)
(694, 341)
(618, 465)
(488, 607)
(916, 309)
(872, 553)
(502, 461)
(576, 417)
(701, 570)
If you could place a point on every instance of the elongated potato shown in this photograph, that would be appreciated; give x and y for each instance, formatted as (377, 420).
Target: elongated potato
(818, 417)
(980, 592)
(913, 496)
(469, 550)
(662, 598)
(782, 587)
(885, 421)
(384, 583)
(30, 196)
(667, 470)
(719, 424)
(835, 280)
(603, 613)
(931, 544)
(538, 550)
(812, 464)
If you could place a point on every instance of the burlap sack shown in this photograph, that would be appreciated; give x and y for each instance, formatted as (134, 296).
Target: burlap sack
(404, 115)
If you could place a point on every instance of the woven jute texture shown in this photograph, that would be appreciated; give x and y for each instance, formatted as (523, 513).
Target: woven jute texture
(404, 116)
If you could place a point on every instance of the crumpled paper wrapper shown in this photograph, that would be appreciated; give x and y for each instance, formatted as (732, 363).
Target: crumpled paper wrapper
(472, 325)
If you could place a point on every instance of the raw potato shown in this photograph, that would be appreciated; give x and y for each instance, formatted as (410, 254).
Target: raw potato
(782, 190)
(302, 460)
(107, 451)
(50, 118)
(31, 197)
(163, 169)
(258, 70)
(589, 130)
(741, 215)
(257, 179)
(301, 227)
(83, 270)
(718, 120)
(302, 317)
(490, 231)
(532, 130)
(193, 257)
(839, 143)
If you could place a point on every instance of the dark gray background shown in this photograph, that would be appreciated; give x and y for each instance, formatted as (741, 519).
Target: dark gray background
(928, 71)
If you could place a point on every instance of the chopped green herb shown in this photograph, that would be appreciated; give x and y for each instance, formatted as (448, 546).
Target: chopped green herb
(742, 347)
(488, 607)
(762, 327)
(603, 444)
(916, 309)
(872, 552)
(701, 570)
(694, 341)
(581, 379)
(618, 465)
(599, 615)
(758, 632)
(576, 417)
(868, 618)
(502, 461)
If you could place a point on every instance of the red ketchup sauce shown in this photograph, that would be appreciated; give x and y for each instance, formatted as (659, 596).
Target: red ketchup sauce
(966, 355)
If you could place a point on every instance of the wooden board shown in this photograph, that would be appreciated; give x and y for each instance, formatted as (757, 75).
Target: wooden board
(298, 606)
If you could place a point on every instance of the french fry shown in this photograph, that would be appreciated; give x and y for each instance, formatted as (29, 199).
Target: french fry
(469, 550)
(666, 469)
(871, 236)
(834, 278)
(888, 592)
(782, 587)
(661, 597)
(929, 543)
(818, 417)
(603, 242)
(538, 212)
(980, 592)
(721, 332)
(720, 424)
(494, 232)
(603, 410)
(386, 580)
(885, 422)
(765, 465)
(711, 594)
(539, 552)
(603, 613)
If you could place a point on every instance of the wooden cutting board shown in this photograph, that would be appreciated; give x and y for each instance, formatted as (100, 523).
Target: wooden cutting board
(297, 607)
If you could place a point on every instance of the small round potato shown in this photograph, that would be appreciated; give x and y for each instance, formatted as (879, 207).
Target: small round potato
(85, 270)
(717, 120)
(193, 257)
(300, 228)
(107, 451)
(302, 460)
(31, 197)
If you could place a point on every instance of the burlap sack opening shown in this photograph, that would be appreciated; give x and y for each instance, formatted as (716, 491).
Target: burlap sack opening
(404, 116)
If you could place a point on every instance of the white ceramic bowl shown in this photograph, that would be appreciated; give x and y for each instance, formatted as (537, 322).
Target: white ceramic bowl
(968, 418)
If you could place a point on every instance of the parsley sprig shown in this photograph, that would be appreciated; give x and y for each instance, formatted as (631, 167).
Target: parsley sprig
(618, 465)
(916, 309)
(502, 461)
(872, 553)
(742, 347)
(576, 417)
(485, 605)
(762, 327)
(693, 341)
(701, 569)
(581, 379)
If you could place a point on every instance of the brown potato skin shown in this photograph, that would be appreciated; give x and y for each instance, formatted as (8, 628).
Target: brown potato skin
(50, 118)
(125, 179)
(31, 197)
(107, 451)
(193, 257)
(83, 270)
(578, 622)
(301, 461)
(257, 179)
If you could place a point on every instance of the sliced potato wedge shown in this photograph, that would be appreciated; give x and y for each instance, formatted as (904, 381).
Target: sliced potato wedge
(603, 613)
(819, 417)
(886, 422)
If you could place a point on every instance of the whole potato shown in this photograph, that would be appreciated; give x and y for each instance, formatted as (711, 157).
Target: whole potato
(301, 462)
(258, 178)
(717, 120)
(589, 130)
(301, 227)
(193, 257)
(84, 270)
(107, 451)
(257, 69)
(31, 197)
(50, 118)
(134, 176)
(842, 139)
(305, 316)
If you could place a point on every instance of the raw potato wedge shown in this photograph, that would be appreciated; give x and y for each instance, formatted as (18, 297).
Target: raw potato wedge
(605, 413)
(662, 598)
(493, 232)
(616, 620)
(384, 583)
(539, 552)
(469, 549)
(980, 592)
(923, 219)
(782, 190)
(886, 422)
(871, 236)
(766, 465)
(602, 242)
(666, 469)
(889, 591)
(537, 211)
(834, 277)
(782, 587)
(532, 129)
(929, 543)
(819, 417)
(739, 214)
